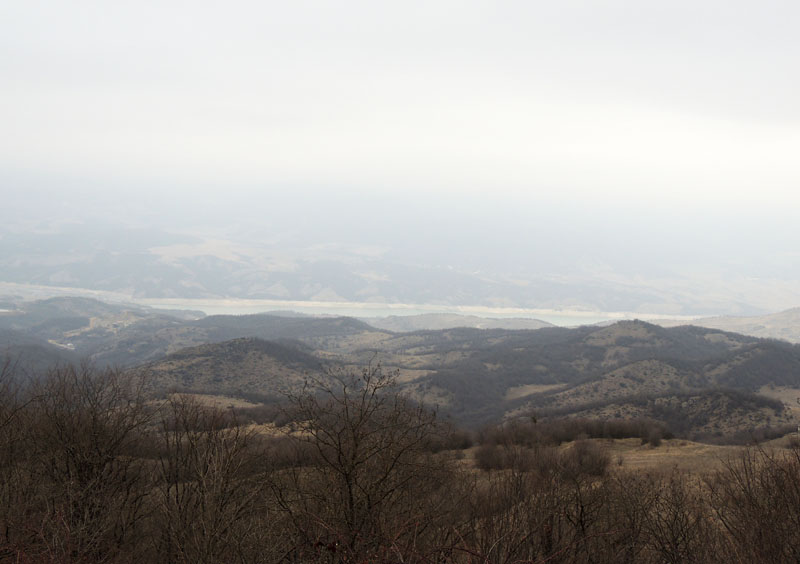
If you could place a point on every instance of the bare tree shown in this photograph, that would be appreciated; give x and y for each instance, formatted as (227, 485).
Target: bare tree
(11, 451)
(756, 499)
(372, 490)
(81, 467)
(208, 492)
(676, 523)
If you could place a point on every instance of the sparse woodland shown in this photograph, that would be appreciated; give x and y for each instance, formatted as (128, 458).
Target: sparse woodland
(93, 470)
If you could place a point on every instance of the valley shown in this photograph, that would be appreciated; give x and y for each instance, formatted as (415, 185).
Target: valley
(702, 383)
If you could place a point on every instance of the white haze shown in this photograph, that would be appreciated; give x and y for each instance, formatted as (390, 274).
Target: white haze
(581, 150)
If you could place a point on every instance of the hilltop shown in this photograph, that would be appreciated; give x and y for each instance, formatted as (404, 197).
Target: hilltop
(239, 367)
(701, 381)
(479, 376)
(124, 335)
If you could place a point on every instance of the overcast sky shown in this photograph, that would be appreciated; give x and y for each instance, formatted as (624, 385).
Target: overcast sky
(665, 103)
(637, 137)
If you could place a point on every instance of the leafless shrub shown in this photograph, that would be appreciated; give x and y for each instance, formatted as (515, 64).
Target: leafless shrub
(207, 490)
(90, 472)
(653, 437)
(80, 478)
(374, 491)
(585, 457)
(677, 524)
(756, 498)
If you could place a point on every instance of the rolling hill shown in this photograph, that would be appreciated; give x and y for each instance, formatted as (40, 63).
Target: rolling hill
(31, 355)
(783, 325)
(707, 377)
(239, 367)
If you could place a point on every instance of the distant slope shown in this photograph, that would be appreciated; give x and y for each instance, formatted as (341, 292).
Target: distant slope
(596, 366)
(701, 414)
(264, 326)
(31, 355)
(438, 321)
(32, 313)
(152, 338)
(105, 333)
(116, 335)
(699, 381)
(757, 365)
(52, 308)
(474, 375)
(782, 325)
(239, 367)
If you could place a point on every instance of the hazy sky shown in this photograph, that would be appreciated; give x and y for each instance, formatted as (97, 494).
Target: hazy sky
(665, 104)
(656, 141)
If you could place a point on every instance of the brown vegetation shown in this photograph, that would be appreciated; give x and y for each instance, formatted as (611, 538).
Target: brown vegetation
(92, 471)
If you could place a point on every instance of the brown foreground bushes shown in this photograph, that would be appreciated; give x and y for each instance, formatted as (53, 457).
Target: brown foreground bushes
(93, 471)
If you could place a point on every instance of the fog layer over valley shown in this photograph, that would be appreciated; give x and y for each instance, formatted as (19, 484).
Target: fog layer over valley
(509, 260)
(520, 158)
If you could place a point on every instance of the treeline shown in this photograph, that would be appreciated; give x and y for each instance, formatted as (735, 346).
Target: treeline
(531, 432)
(670, 411)
(92, 470)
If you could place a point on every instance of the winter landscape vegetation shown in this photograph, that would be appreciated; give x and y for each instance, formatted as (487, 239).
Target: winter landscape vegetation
(422, 282)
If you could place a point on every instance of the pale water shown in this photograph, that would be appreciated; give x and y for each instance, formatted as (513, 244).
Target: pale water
(367, 309)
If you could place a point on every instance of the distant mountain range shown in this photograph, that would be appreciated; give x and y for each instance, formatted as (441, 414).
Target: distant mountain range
(148, 263)
(436, 321)
(702, 382)
(782, 325)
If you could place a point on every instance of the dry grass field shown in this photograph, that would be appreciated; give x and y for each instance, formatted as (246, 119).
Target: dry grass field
(219, 401)
(673, 454)
(517, 392)
(688, 456)
(789, 396)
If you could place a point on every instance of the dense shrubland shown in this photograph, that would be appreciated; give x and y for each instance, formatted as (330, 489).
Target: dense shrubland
(94, 471)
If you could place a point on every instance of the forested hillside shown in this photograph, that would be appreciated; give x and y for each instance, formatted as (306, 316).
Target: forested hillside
(701, 382)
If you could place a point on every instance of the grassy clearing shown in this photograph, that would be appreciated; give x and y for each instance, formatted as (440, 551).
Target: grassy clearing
(631, 454)
(697, 458)
(220, 401)
(517, 392)
(789, 396)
